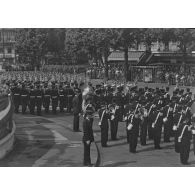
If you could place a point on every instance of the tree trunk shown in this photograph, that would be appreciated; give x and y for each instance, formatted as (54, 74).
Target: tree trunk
(126, 64)
(106, 66)
(184, 59)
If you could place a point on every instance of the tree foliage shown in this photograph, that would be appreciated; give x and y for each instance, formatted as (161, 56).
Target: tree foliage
(93, 45)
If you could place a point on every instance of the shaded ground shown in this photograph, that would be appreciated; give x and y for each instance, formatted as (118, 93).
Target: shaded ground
(42, 141)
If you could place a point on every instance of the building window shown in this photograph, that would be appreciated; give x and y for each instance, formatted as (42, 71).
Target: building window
(9, 50)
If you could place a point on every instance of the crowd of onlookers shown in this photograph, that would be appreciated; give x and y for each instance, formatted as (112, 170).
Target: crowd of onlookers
(114, 73)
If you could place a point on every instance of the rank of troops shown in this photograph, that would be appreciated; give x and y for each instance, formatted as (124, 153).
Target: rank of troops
(148, 113)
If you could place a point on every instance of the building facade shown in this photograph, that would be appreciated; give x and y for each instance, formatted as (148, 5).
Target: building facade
(7, 47)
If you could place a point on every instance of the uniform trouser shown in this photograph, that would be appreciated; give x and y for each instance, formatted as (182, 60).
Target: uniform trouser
(69, 104)
(133, 138)
(16, 103)
(184, 151)
(167, 131)
(54, 106)
(24, 104)
(177, 145)
(150, 130)
(104, 134)
(39, 105)
(194, 144)
(114, 128)
(76, 122)
(127, 132)
(32, 106)
(61, 104)
(157, 136)
(143, 134)
(46, 105)
(91, 123)
(87, 157)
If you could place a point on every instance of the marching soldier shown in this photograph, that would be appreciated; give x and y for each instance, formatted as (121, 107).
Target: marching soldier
(69, 93)
(46, 98)
(184, 140)
(127, 113)
(168, 122)
(143, 125)
(61, 98)
(54, 98)
(150, 107)
(32, 95)
(157, 127)
(177, 121)
(133, 128)
(38, 99)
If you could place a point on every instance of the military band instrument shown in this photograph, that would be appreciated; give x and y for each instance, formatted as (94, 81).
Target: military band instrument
(176, 126)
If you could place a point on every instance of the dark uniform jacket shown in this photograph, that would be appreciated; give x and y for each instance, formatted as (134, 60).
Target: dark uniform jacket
(77, 105)
(87, 130)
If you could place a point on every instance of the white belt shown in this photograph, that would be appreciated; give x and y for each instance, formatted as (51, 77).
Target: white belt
(39, 96)
(61, 95)
(54, 97)
(16, 94)
(23, 95)
(32, 96)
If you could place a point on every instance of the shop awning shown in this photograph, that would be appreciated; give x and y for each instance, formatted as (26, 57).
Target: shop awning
(119, 56)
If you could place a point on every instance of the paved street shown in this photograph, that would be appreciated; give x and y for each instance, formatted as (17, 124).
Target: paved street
(49, 141)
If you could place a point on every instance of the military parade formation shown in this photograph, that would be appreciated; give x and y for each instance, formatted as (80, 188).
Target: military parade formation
(148, 113)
